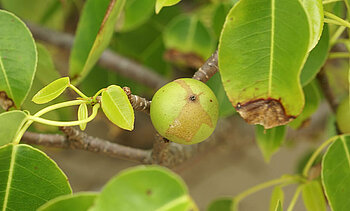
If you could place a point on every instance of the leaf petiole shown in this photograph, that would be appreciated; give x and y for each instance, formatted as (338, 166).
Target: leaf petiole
(294, 199)
(77, 91)
(335, 19)
(98, 93)
(329, 1)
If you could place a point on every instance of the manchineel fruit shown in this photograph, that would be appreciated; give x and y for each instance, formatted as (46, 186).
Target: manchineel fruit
(185, 111)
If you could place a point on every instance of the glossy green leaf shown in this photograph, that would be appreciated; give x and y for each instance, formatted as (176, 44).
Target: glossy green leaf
(187, 34)
(51, 91)
(313, 196)
(222, 204)
(94, 32)
(77, 202)
(83, 114)
(314, 10)
(165, 3)
(336, 174)
(262, 49)
(225, 107)
(316, 59)
(343, 116)
(312, 101)
(117, 107)
(136, 12)
(269, 140)
(11, 123)
(18, 58)
(28, 178)
(277, 197)
(144, 188)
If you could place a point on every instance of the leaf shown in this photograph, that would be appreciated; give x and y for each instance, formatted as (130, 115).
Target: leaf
(51, 91)
(18, 58)
(117, 107)
(11, 123)
(336, 174)
(316, 59)
(313, 196)
(269, 140)
(187, 34)
(145, 188)
(343, 116)
(277, 198)
(82, 114)
(165, 3)
(312, 101)
(222, 204)
(279, 206)
(29, 178)
(262, 49)
(77, 202)
(314, 10)
(94, 32)
(136, 13)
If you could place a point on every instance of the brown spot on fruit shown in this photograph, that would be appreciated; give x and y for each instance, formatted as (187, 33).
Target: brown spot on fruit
(267, 112)
(5, 102)
(149, 192)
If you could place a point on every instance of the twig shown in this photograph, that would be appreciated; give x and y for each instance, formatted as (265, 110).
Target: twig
(137, 102)
(327, 90)
(209, 68)
(76, 139)
(109, 59)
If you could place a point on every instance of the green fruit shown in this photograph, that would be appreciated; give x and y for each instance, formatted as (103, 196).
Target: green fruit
(343, 116)
(185, 111)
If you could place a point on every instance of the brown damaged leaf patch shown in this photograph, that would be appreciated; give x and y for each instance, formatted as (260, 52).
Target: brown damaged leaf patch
(266, 112)
(5, 102)
(184, 127)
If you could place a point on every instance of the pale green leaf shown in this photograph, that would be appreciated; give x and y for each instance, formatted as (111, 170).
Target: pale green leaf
(11, 123)
(18, 58)
(51, 91)
(312, 101)
(277, 197)
(82, 114)
(77, 202)
(28, 178)
(165, 3)
(269, 140)
(336, 174)
(314, 10)
(343, 116)
(94, 32)
(221, 204)
(313, 196)
(145, 188)
(117, 107)
(262, 49)
(316, 58)
(279, 206)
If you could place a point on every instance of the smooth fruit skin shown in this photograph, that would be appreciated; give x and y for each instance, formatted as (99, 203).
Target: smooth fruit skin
(343, 116)
(185, 111)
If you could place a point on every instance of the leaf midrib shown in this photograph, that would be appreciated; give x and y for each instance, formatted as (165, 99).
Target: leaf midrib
(272, 45)
(117, 106)
(2, 67)
(9, 180)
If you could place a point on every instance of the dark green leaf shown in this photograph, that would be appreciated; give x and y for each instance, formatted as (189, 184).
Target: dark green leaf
(313, 196)
(18, 58)
(269, 140)
(277, 198)
(11, 122)
(336, 174)
(77, 202)
(51, 91)
(145, 188)
(95, 30)
(117, 107)
(28, 178)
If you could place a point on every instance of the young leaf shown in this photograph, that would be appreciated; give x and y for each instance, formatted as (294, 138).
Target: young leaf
(262, 49)
(269, 140)
(165, 3)
(95, 29)
(222, 204)
(51, 91)
(77, 202)
(18, 58)
(343, 116)
(312, 101)
(117, 107)
(314, 10)
(316, 58)
(151, 188)
(279, 206)
(336, 174)
(313, 196)
(277, 198)
(11, 123)
(82, 114)
(28, 178)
